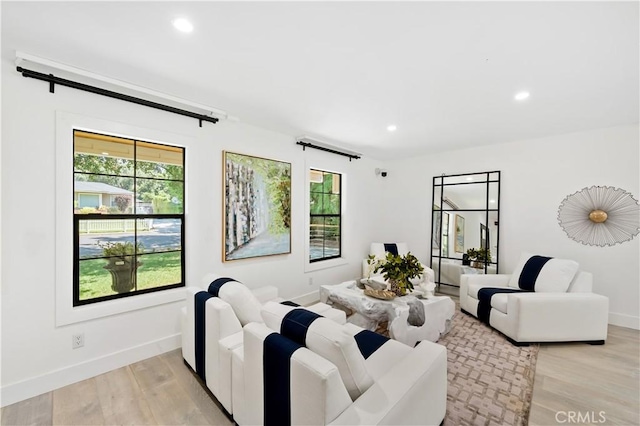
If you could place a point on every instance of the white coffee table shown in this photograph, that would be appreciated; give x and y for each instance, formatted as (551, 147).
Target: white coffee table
(410, 319)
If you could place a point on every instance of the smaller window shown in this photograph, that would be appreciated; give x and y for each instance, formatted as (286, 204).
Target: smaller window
(325, 208)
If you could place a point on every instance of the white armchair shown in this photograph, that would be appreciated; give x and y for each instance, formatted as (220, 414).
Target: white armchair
(379, 250)
(336, 379)
(224, 317)
(557, 306)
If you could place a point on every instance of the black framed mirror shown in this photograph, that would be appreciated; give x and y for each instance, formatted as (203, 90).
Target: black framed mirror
(465, 231)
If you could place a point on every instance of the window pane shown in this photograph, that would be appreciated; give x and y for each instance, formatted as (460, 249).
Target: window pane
(158, 235)
(331, 204)
(102, 194)
(89, 200)
(161, 197)
(159, 269)
(159, 161)
(96, 280)
(315, 206)
(337, 186)
(327, 183)
(99, 238)
(332, 237)
(102, 154)
(315, 179)
(316, 232)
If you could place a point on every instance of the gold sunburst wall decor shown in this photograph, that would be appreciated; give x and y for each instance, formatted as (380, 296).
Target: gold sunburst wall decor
(600, 216)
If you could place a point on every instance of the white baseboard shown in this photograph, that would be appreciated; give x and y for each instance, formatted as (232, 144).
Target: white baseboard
(624, 320)
(29, 388)
(307, 299)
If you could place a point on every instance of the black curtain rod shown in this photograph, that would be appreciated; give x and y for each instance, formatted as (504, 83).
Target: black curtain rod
(322, 148)
(53, 80)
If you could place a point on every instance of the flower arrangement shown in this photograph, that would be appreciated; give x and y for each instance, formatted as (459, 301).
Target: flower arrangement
(398, 270)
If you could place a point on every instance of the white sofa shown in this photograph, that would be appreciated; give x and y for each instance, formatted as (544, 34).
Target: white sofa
(224, 317)
(559, 308)
(334, 379)
(378, 250)
(452, 270)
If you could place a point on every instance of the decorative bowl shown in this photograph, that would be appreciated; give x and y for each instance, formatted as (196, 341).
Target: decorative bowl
(380, 294)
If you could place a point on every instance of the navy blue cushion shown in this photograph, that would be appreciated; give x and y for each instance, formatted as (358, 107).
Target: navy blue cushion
(214, 287)
(200, 300)
(369, 342)
(296, 323)
(484, 300)
(530, 272)
(391, 248)
(276, 363)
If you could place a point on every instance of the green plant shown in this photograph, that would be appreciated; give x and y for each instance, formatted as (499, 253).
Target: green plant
(88, 210)
(120, 250)
(398, 269)
(479, 255)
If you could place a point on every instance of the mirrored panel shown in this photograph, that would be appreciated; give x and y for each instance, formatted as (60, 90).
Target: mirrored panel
(465, 226)
(465, 196)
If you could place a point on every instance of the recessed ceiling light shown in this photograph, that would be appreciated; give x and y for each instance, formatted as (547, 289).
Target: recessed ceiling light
(183, 25)
(391, 127)
(492, 201)
(469, 178)
(521, 96)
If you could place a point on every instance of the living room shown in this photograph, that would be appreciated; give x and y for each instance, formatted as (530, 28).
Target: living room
(265, 67)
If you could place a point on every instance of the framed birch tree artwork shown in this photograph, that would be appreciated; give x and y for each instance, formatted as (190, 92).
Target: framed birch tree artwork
(257, 207)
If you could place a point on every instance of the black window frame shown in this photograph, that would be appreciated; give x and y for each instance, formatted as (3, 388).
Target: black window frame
(77, 217)
(339, 216)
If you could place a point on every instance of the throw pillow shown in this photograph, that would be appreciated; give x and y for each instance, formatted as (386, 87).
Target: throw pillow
(543, 274)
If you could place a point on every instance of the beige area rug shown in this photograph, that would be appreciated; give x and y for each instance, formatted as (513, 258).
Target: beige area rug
(490, 380)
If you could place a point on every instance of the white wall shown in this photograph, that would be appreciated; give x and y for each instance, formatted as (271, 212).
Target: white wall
(536, 176)
(37, 355)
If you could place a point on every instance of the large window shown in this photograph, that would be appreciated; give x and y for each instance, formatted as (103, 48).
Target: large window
(128, 219)
(325, 215)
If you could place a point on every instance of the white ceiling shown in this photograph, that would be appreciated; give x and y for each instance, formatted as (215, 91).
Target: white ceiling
(444, 72)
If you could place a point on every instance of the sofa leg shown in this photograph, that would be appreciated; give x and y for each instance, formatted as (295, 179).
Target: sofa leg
(595, 342)
(514, 343)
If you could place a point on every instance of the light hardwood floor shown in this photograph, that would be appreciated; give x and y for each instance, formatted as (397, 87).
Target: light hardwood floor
(595, 382)
(569, 378)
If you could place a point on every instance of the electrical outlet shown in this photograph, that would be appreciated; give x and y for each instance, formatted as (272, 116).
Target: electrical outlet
(77, 341)
(310, 280)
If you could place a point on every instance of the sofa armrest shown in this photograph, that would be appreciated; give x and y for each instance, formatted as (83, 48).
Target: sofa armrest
(547, 317)
(398, 397)
(265, 294)
(317, 391)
